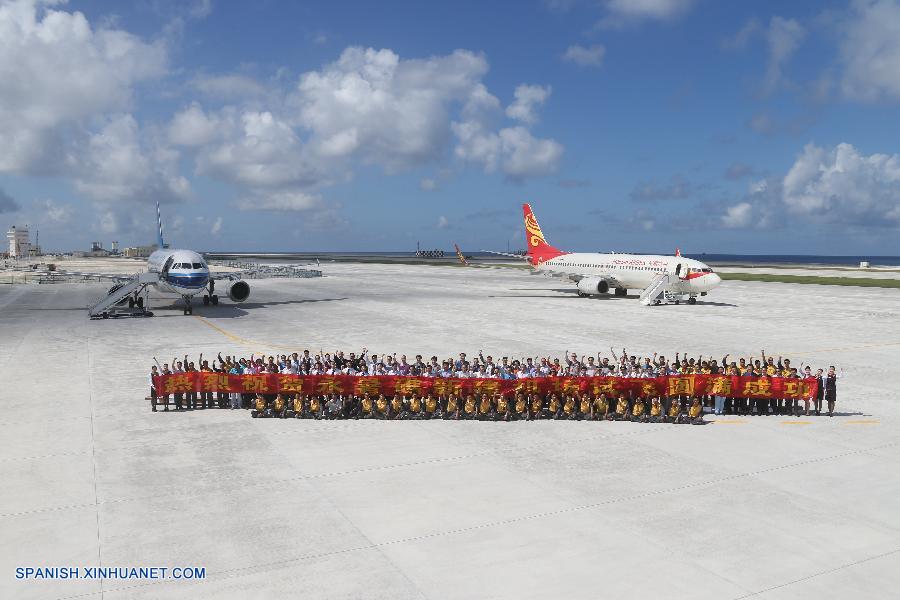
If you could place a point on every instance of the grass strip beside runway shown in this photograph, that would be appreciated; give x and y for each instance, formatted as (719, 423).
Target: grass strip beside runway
(813, 279)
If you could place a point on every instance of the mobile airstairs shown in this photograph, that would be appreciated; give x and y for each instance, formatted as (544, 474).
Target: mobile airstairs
(655, 293)
(130, 291)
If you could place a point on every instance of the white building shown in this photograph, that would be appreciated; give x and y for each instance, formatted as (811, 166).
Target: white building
(19, 242)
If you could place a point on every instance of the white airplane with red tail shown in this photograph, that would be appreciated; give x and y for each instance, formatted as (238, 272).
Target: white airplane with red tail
(661, 279)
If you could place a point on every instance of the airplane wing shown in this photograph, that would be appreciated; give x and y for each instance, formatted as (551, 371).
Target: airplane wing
(519, 256)
(87, 274)
(229, 275)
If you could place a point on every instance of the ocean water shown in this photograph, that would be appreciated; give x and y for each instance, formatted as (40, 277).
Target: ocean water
(801, 259)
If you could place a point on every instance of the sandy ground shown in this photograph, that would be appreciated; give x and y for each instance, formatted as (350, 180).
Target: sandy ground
(768, 507)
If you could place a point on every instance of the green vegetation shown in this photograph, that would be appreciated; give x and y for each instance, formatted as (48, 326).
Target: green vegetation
(852, 281)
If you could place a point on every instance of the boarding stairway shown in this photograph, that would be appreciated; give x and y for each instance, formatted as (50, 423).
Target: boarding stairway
(108, 305)
(656, 291)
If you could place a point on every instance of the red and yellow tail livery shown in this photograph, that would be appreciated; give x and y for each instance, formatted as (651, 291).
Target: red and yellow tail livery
(539, 250)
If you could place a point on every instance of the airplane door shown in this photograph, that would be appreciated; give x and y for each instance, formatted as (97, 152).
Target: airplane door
(165, 270)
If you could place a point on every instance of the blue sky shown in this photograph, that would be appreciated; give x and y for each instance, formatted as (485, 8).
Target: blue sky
(732, 127)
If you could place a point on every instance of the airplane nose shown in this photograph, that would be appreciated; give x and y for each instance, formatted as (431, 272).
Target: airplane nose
(714, 280)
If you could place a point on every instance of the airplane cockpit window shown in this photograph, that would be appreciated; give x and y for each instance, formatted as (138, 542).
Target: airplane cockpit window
(198, 266)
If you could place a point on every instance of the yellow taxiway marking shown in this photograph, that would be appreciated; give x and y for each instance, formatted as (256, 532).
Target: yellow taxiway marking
(239, 339)
(863, 422)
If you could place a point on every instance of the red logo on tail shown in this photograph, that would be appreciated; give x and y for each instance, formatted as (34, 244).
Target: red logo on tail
(539, 250)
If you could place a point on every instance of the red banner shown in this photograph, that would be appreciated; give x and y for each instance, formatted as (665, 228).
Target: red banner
(668, 385)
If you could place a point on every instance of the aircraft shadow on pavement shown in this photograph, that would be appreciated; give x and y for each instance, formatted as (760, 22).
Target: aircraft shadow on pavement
(229, 310)
(570, 293)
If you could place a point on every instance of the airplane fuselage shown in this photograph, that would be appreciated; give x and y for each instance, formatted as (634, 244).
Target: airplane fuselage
(635, 271)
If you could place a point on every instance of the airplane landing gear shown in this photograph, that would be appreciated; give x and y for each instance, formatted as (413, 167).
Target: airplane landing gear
(211, 297)
(621, 291)
(188, 308)
(692, 300)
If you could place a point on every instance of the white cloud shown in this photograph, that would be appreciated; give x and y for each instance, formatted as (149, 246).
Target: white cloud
(201, 9)
(870, 51)
(57, 214)
(384, 110)
(738, 216)
(193, 127)
(216, 226)
(370, 107)
(527, 99)
(232, 86)
(842, 185)
(621, 13)
(118, 165)
(782, 38)
(833, 186)
(742, 38)
(427, 184)
(443, 222)
(257, 150)
(57, 73)
(585, 56)
(281, 202)
(512, 150)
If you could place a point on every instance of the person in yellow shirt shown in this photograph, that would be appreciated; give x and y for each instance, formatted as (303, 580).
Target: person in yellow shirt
(656, 411)
(675, 413)
(600, 409)
(637, 410)
(695, 413)
(621, 409)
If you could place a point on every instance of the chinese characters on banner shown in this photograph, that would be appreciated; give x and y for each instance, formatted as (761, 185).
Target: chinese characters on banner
(669, 385)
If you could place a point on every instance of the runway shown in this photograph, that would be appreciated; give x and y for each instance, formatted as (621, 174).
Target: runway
(747, 507)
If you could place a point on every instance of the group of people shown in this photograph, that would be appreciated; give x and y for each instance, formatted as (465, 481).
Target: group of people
(482, 407)
(571, 365)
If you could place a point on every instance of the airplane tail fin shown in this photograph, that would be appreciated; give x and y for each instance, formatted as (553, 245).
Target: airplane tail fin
(159, 235)
(460, 255)
(539, 250)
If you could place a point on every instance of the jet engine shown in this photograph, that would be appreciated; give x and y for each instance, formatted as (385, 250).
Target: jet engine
(593, 285)
(238, 291)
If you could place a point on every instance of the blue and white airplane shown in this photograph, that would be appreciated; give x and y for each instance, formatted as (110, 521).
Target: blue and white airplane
(179, 271)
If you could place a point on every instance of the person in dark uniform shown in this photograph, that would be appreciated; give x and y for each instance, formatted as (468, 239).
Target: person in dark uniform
(820, 390)
(154, 373)
(191, 395)
(206, 398)
(831, 389)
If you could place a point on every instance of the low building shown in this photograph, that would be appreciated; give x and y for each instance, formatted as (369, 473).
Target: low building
(138, 251)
